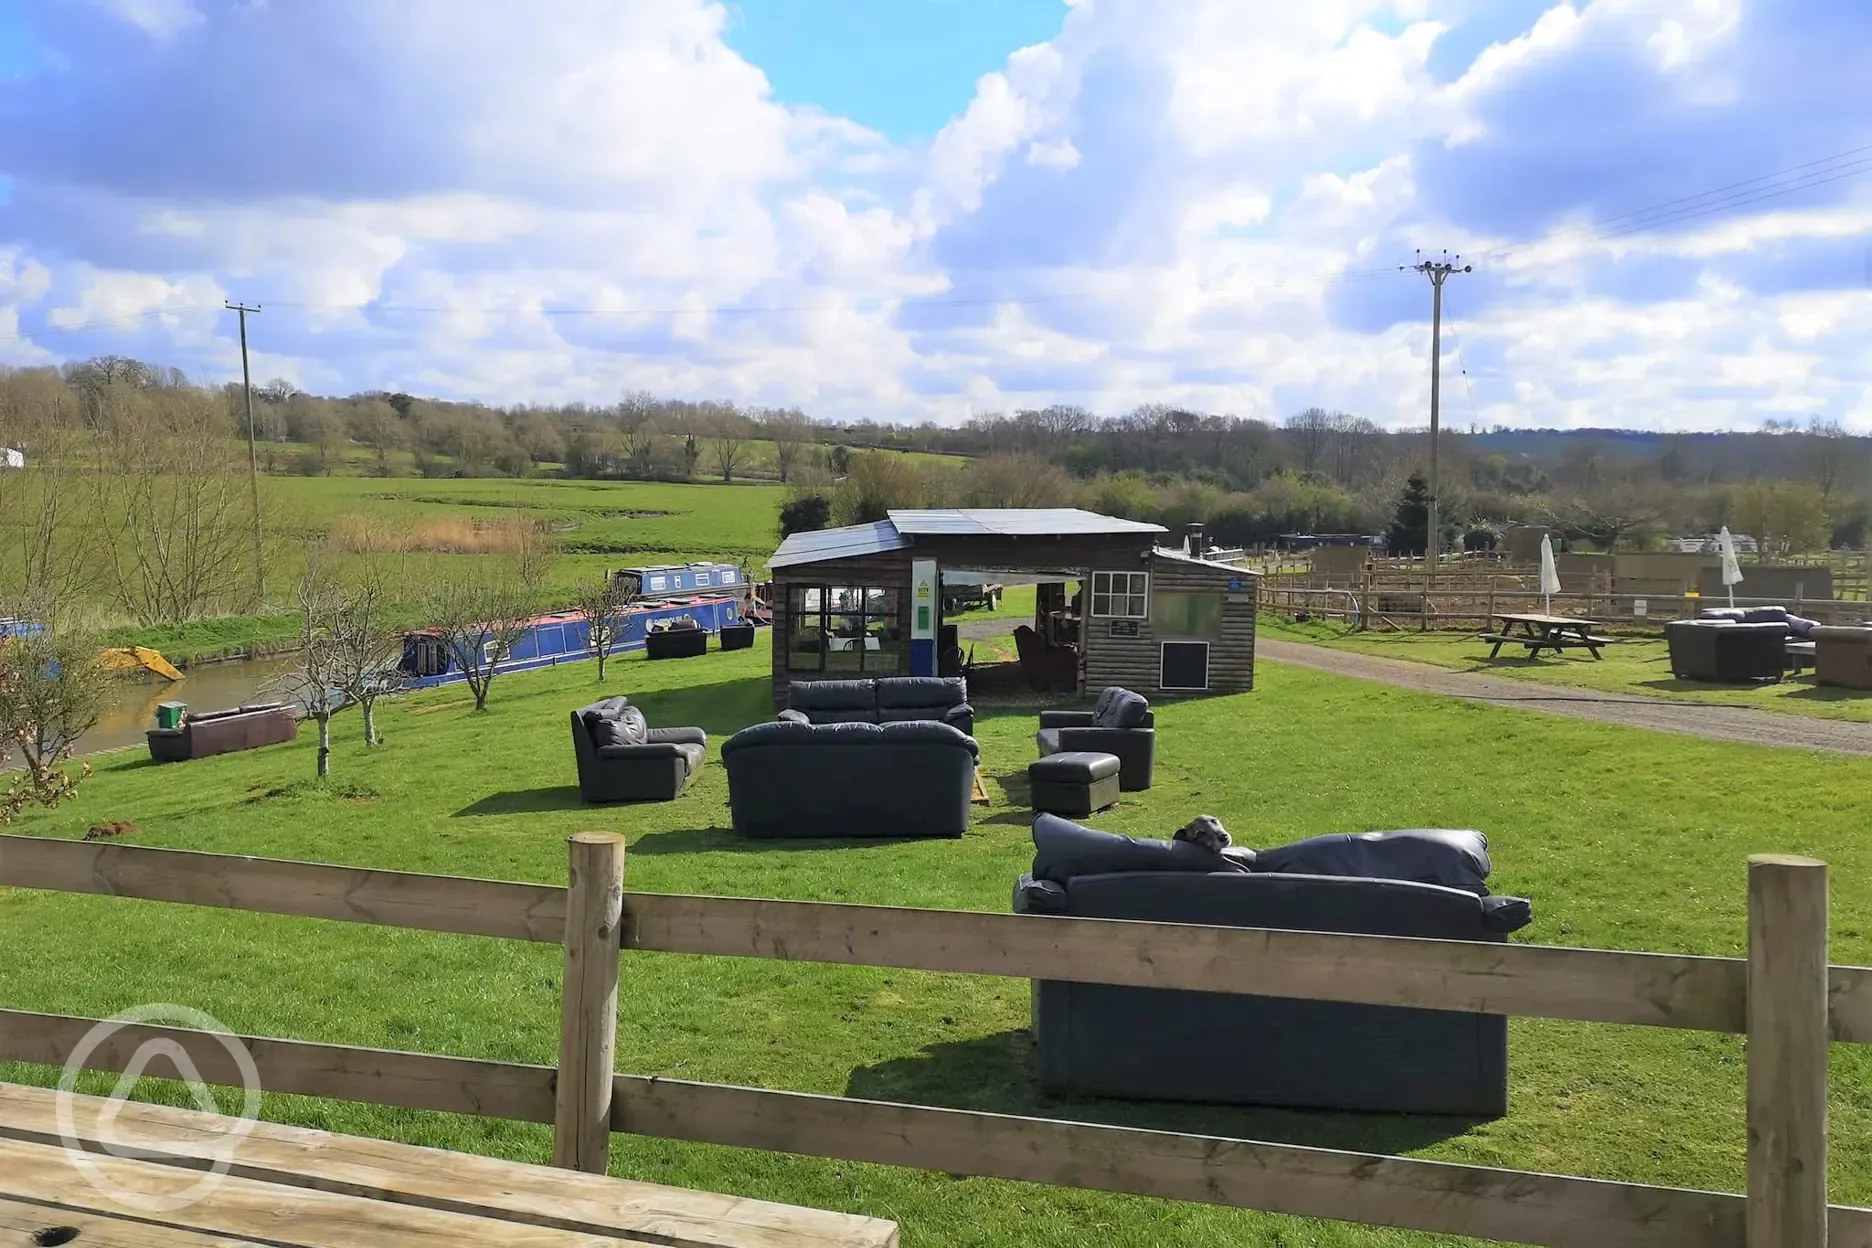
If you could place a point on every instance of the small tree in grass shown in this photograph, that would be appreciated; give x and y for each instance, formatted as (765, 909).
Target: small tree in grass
(315, 680)
(369, 648)
(478, 616)
(52, 691)
(602, 607)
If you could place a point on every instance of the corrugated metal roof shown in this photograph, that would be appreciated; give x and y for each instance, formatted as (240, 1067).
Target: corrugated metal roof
(846, 543)
(1013, 522)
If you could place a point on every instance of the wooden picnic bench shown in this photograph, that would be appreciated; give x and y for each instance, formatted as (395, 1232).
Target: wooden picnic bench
(1544, 632)
(291, 1187)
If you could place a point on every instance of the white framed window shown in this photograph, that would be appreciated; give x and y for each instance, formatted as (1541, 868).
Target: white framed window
(1121, 595)
(489, 655)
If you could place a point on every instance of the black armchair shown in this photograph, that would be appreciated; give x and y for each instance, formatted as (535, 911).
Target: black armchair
(1120, 723)
(621, 759)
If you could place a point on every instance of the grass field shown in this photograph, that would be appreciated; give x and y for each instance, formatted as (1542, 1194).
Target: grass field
(1623, 838)
(1632, 665)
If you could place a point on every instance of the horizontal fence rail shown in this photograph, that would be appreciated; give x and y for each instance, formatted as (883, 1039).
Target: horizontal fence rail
(1666, 990)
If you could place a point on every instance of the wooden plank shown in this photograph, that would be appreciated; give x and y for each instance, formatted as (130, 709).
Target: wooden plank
(23, 1224)
(436, 903)
(269, 1213)
(589, 1003)
(1310, 1182)
(1787, 1052)
(457, 1182)
(1590, 985)
(457, 1085)
(1849, 1004)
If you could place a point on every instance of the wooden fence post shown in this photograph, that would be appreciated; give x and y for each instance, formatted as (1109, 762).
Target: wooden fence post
(1787, 1052)
(588, 1003)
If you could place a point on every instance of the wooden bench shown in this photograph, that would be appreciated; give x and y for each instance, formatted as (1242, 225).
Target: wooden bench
(1536, 644)
(416, 1196)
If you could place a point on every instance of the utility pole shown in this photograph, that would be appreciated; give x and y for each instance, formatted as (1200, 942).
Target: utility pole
(1438, 271)
(253, 459)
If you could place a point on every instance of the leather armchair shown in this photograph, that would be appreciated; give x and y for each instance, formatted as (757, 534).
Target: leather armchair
(1121, 723)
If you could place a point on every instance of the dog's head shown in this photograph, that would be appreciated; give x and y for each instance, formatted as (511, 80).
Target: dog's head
(1206, 831)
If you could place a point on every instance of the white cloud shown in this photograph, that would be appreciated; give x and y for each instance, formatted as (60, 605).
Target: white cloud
(160, 19)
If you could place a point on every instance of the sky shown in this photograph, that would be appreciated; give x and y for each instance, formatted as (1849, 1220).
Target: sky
(930, 209)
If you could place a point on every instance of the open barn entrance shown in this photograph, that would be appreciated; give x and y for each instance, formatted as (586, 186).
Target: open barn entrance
(1041, 608)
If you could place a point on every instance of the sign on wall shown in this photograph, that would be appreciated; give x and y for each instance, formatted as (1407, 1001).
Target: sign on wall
(1123, 628)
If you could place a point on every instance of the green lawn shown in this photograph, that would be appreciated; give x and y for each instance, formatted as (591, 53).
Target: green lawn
(1623, 838)
(1635, 665)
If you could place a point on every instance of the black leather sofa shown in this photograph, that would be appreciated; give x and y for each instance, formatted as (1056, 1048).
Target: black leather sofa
(1726, 651)
(1225, 1048)
(792, 779)
(676, 643)
(1120, 723)
(622, 759)
(883, 700)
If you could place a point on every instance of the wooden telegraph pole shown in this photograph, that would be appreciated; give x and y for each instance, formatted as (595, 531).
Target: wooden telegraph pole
(253, 459)
(1438, 271)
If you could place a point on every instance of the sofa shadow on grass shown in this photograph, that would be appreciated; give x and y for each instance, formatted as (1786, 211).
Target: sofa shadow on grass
(727, 841)
(525, 802)
(996, 1074)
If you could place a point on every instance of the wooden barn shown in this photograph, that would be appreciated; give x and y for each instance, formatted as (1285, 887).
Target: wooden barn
(1114, 605)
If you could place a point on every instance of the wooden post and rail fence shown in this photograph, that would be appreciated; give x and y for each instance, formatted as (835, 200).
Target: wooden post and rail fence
(1784, 997)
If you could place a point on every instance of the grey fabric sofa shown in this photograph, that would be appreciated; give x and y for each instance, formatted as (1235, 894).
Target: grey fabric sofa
(884, 700)
(622, 759)
(1726, 651)
(1120, 723)
(1158, 1044)
(790, 779)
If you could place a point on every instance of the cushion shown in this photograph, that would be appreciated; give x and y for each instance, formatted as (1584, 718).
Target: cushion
(1120, 708)
(1452, 858)
(1073, 767)
(608, 732)
(921, 692)
(837, 715)
(1064, 849)
(632, 721)
(818, 695)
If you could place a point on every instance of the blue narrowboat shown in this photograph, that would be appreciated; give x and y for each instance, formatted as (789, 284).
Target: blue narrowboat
(563, 637)
(675, 579)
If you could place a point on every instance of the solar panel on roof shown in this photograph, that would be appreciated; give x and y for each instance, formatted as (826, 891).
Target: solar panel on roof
(848, 542)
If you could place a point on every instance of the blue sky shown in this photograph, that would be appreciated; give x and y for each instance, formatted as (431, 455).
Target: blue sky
(922, 208)
(900, 67)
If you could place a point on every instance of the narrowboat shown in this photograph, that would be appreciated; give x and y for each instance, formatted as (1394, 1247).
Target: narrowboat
(673, 580)
(564, 637)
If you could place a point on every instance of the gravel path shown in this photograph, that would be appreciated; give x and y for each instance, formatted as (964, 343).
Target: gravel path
(1724, 723)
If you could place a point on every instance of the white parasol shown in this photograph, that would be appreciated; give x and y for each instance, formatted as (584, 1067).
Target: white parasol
(1549, 575)
(1731, 569)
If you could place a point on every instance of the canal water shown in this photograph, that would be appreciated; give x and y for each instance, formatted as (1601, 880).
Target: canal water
(210, 687)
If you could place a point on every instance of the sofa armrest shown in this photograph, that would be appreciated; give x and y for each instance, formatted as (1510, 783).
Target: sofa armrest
(959, 714)
(1104, 740)
(1506, 914)
(791, 716)
(676, 736)
(1066, 719)
(639, 753)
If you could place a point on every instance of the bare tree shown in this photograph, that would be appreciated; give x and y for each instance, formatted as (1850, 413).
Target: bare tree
(789, 430)
(316, 678)
(728, 434)
(53, 690)
(602, 607)
(369, 649)
(1309, 433)
(478, 616)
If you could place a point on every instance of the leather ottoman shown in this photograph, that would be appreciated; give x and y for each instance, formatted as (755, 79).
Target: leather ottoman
(1077, 782)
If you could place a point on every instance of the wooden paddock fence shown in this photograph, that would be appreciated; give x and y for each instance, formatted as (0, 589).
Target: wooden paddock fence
(1441, 602)
(1784, 997)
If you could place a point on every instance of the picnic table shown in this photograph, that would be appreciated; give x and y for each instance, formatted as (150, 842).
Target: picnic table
(290, 1187)
(1544, 632)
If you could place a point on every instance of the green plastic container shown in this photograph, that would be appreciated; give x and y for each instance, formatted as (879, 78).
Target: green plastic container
(169, 714)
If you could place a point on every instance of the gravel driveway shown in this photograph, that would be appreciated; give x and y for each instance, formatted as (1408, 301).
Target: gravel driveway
(1724, 723)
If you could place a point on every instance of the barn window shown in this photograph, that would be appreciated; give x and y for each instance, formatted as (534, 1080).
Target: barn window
(1184, 665)
(1177, 614)
(1121, 595)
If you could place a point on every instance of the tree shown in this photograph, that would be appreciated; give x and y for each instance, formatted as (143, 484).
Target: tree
(24, 674)
(728, 433)
(376, 424)
(1409, 533)
(1308, 433)
(1612, 507)
(602, 607)
(804, 513)
(478, 615)
(370, 647)
(1015, 481)
(53, 690)
(1784, 517)
(789, 430)
(318, 670)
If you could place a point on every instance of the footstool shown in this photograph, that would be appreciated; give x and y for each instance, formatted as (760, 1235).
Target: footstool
(1077, 782)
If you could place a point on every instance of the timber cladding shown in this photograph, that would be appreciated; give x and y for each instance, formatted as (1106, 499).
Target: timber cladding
(1136, 661)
